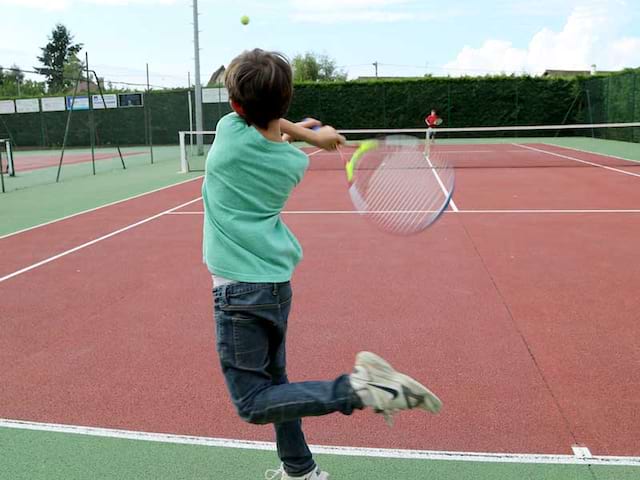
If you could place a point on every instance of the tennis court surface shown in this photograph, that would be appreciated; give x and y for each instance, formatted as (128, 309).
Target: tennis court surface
(519, 308)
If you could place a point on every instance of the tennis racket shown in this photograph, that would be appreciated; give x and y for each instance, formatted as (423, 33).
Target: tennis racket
(399, 186)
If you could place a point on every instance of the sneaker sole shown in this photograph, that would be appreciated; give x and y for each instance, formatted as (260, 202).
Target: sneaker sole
(384, 370)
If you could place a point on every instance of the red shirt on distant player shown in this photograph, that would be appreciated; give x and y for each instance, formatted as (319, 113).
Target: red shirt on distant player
(432, 119)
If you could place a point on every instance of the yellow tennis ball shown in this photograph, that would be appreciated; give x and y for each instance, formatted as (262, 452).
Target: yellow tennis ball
(244, 20)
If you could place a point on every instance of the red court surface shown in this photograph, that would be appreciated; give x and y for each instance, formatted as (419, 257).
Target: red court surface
(524, 323)
(26, 162)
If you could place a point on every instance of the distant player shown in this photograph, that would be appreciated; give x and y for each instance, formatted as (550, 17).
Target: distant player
(432, 121)
(251, 254)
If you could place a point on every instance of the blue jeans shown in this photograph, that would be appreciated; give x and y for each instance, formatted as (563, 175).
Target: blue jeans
(251, 327)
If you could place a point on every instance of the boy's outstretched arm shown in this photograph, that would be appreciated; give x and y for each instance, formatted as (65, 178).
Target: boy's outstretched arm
(325, 137)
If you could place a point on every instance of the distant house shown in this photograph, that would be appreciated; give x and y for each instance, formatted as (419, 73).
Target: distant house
(573, 73)
(84, 86)
(217, 77)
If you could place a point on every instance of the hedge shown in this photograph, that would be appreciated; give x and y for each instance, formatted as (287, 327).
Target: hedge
(462, 102)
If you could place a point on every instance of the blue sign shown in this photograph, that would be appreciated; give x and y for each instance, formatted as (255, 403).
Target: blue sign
(79, 103)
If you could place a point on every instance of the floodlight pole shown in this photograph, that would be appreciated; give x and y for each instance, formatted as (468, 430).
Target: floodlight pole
(147, 110)
(198, 85)
(92, 130)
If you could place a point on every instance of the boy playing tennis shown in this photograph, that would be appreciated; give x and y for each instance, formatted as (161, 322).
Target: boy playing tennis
(432, 120)
(251, 254)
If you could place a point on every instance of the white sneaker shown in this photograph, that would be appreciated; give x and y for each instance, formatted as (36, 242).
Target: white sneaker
(388, 391)
(280, 474)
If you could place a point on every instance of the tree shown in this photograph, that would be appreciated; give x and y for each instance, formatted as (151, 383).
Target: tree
(14, 84)
(71, 70)
(312, 67)
(305, 68)
(58, 53)
(14, 75)
(329, 71)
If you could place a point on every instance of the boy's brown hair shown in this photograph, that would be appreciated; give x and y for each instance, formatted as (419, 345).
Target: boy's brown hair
(262, 84)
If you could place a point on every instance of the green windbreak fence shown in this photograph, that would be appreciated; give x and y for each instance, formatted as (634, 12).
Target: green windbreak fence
(462, 102)
(612, 99)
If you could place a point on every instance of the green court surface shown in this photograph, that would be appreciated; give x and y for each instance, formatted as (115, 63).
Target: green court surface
(35, 198)
(611, 148)
(45, 455)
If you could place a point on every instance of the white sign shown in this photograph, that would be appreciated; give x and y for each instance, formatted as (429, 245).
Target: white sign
(7, 106)
(27, 105)
(53, 104)
(110, 99)
(215, 95)
(79, 103)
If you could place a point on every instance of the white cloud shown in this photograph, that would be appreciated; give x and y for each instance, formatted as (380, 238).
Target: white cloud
(338, 11)
(355, 16)
(343, 4)
(42, 4)
(589, 36)
(625, 52)
(63, 4)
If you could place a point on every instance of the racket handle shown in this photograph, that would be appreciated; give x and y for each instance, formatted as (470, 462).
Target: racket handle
(316, 128)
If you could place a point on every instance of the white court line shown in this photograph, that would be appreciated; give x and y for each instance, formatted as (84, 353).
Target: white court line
(446, 152)
(98, 207)
(581, 451)
(575, 459)
(446, 192)
(93, 242)
(632, 163)
(586, 210)
(359, 212)
(593, 164)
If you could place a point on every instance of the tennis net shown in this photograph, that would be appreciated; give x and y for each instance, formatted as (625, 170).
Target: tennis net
(6, 161)
(611, 144)
(6, 157)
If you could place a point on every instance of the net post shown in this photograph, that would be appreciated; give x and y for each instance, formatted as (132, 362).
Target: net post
(1, 173)
(11, 169)
(183, 154)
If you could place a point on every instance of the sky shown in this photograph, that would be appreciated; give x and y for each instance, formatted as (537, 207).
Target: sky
(405, 37)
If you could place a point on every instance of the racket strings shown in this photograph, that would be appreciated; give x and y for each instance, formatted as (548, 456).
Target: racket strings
(403, 196)
(401, 189)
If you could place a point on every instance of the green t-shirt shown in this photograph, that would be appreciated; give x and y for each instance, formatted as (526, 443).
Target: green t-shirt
(247, 183)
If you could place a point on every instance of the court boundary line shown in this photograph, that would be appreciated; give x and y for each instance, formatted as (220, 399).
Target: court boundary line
(492, 211)
(94, 241)
(634, 163)
(578, 458)
(446, 152)
(593, 164)
(33, 227)
(448, 194)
